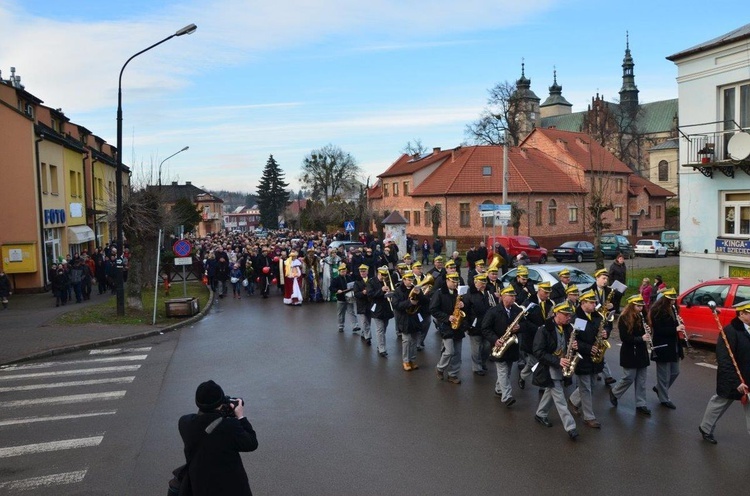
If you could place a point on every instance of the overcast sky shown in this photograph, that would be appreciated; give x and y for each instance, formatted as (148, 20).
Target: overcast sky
(286, 77)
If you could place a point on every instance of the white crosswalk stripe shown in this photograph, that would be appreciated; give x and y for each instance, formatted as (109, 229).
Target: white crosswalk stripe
(30, 411)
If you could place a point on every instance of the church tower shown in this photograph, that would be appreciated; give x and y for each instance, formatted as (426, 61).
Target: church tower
(555, 104)
(528, 105)
(629, 91)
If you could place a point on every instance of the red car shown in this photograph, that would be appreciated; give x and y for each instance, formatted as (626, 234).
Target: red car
(693, 304)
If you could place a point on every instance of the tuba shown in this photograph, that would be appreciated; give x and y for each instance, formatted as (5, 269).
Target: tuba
(573, 356)
(509, 337)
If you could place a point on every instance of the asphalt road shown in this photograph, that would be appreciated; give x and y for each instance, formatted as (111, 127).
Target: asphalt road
(333, 418)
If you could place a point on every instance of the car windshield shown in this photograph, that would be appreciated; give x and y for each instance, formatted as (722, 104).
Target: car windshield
(670, 236)
(643, 242)
(569, 244)
(577, 277)
(608, 239)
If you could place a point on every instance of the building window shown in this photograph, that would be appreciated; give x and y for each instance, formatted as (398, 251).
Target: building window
(663, 171)
(73, 184)
(385, 190)
(45, 179)
(618, 213)
(573, 214)
(395, 189)
(54, 186)
(407, 216)
(552, 212)
(736, 209)
(464, 214)
(417, 215)
(427, 216)
(487, 170)
(538, 212)
(736, 103)
(648, 212)
(658, 211)
(406, 188)
(488, 221)
(618, 185)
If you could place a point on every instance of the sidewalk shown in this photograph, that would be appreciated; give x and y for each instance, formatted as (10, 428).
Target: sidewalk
(27, 332)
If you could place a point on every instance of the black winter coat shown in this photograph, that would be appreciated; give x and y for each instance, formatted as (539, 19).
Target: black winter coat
(360, 298)
(407, 315)
(215, 464)
(726, 375)
(340, 282)
(533, 321)
(523, 291)
(634, 351)
(377, 300)
(545, 345)
(495, 322)
(586, 340)
(664, 332)
(442, 304)
(478, 305)
(558, 294)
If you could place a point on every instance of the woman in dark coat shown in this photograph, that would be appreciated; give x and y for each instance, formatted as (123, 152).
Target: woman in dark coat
(633, 354)
(60, 287)
(213, 458)
(666, 335)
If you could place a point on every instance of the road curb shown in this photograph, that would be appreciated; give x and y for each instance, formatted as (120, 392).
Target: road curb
(116, 340)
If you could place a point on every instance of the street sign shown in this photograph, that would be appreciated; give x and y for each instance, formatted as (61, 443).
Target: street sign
(487, 213)
(484, 207)
(182, 248)
(183, 260)
(349, 226)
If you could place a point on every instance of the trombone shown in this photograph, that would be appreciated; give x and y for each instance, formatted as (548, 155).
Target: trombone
(389, 294)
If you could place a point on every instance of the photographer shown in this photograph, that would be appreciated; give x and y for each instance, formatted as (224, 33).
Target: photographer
(213, 455)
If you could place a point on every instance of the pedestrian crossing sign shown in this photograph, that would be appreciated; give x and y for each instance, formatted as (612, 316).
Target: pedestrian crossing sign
(349, 226)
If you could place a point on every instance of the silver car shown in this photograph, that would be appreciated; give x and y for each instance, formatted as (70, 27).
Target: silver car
(541, 273)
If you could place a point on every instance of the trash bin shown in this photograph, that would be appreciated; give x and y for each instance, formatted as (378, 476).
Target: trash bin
(182, 307)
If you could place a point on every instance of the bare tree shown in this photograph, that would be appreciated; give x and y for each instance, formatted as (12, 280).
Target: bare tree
(516, 214)
(416, 148)
(502, 112)
(436, 216)
(328, 171)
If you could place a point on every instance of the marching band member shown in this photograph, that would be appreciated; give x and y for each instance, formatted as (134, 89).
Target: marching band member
(442, 306)
(733, 359)
(380, 309)
(340, 286)
(572, 295)
(362, 302)
(424, 308)
(493, 285)
(438, 269)
(533, 321)
(479, 302)
(406, 307)
(551, 350)
(602, 291)
(496, 322)
(558, 294)
(581, 398)
(521, 284)
(633, 355)
(666, 335)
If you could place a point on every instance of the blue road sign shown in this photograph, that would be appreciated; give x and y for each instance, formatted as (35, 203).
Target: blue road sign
(349, 226)
(182, 248)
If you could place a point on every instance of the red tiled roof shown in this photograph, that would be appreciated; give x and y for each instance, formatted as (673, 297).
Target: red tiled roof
(407, 164)
(529, 171)
(375, 192)
(296, 206)
(583, 150)
(638, 184)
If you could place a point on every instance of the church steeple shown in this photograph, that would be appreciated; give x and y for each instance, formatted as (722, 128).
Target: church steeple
(555, 104)
(629, 91)
(528, 104)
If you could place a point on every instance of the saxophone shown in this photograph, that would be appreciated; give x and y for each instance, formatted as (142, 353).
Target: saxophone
(510, 338)
(572, 356)
(458, 314)
(601, 344)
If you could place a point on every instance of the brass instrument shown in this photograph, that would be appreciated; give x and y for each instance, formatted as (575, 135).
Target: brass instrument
(682, 323)
(572, 355)
(495, 264)
(607, 315)
(601, 344)
(458, 314)
(422, 287)
(509, 337)
(389, 294)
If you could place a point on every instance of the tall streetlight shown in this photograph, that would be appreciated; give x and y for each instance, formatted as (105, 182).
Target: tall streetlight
(162, 162)
(189, 29)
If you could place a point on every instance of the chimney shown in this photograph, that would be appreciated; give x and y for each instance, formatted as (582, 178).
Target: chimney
(188, 183)
(436, 150)
(174, 183)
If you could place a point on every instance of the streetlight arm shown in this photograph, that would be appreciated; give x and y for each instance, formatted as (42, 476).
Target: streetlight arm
(162, 162)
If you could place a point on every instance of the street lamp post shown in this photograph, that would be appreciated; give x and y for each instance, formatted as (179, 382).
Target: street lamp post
(189, 29)
(162, 162)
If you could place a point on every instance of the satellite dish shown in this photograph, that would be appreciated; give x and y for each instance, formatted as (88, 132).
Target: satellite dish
(739, 146)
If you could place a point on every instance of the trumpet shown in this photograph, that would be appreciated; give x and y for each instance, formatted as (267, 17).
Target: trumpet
(682, 323)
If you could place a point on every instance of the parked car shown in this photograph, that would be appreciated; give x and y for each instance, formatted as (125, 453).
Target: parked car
(345, 245)
(574, 250)
(517, 244)
(650, 248)
(612, 244)
(671, 239)
(693, 306)
(549, 273)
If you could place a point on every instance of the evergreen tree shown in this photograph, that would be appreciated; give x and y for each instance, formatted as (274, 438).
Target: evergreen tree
(272, 197)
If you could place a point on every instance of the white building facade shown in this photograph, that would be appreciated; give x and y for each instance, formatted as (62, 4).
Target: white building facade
(714, 181)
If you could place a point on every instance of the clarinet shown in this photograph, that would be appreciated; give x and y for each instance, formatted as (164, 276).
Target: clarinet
(682, 323)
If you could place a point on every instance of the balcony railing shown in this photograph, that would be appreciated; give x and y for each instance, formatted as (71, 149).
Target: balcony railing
(707, 151)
